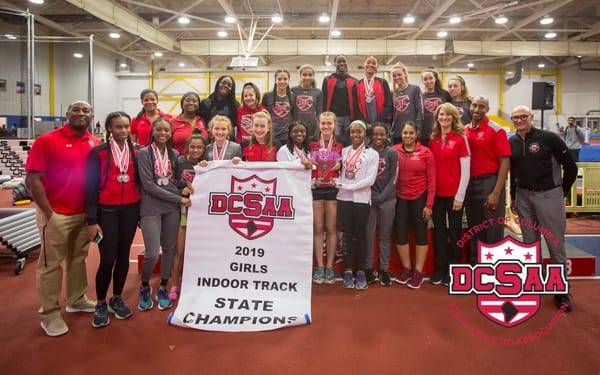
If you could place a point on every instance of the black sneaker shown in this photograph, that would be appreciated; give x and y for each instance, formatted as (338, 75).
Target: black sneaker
(446, 279)
(117, 307)
(384, 278)
(371, 276)
(563, 302)
(100, 316)
(436, 278)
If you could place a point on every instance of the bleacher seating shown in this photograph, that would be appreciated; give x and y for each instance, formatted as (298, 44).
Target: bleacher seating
(13, 155)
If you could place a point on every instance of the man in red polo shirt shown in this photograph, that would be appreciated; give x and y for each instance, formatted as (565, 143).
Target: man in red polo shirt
(56, 178)
(490, 162)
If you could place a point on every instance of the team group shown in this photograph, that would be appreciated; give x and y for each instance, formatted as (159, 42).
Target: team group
(381, 160)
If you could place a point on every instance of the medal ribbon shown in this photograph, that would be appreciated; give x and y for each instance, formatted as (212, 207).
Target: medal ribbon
(324, 152)
(352, 156)
(301, 155)
(220, 155)
(162, 162)
(120, 157)
(369, 86)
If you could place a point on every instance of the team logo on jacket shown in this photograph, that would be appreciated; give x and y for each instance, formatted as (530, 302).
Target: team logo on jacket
(401, 103)
(534, 147)
(252, 206)
(247, 123)
(430, 104)
(304, 102)
(508, 281)
(281, 109)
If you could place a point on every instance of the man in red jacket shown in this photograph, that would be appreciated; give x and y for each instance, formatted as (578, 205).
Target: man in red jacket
(337, 98)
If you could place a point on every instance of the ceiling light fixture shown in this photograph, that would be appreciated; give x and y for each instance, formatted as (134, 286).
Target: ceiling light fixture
(123, 65)
(77, 55)
(114, 35)
(336, 33)
(501, 20)
(222, 34)
(277, 18)
(181, 64)
(541, 65)
(442, 34)
(158, 54)
(550, 35)
(36, 1)
(547, 20)
(409, 18)
(470, 65)
(183, 20)
(324, 18)
(454, 19)
(230, 19)
(10, 36)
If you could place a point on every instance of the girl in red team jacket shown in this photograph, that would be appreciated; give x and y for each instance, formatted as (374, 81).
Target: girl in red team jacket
(261, 146)
(113, 210)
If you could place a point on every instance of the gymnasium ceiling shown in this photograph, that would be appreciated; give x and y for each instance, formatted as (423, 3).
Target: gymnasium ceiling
(147, 26)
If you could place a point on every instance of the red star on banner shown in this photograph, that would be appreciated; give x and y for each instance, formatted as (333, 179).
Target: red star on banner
(267, 189)
(528, 256)
(488, 256)
(253, 186)
(508, 251)
(240, 188)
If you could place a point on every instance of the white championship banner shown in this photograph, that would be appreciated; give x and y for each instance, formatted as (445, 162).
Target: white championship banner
(248, 254)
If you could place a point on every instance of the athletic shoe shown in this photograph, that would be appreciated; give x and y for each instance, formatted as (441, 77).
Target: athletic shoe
(563, 299)
(164, 302)
(436, 278)
(372, 276)
(101, 318)
(404, 276)
(87, 305)
(348, 280)
(384, 278)
(446, 279)
(361, 280)
(145, 302)
(329, 276)
(54, 327)
(117, 307)
(319, 275)
(174, 293)
(416, 280)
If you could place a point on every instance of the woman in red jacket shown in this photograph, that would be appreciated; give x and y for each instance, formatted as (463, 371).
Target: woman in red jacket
(261, 146)
(141, 125)
(415, 192)
(187, 121)
(113, 210)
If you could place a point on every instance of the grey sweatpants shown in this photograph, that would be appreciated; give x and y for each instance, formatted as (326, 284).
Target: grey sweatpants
(543, 212)
(159, 230)
(381, 219)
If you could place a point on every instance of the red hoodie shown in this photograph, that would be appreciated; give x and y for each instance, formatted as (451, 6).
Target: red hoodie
(244, 121)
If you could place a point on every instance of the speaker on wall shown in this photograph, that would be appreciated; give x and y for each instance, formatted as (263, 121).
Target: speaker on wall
(543, 95)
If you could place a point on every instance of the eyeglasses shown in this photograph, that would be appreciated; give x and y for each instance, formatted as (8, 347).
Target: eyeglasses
(519, 117)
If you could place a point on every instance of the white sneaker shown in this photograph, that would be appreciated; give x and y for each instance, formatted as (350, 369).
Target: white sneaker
(55, 327)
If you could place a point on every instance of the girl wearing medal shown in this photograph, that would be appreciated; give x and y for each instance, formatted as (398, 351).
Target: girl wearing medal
(296, 148)
(141, 125)
(372, 96)
(383, 205)
(415, 191)
(160, 211)
(280, 103)
(187, 121)
(359, 170)
(261, 146)
(221, 148)
(195, 146)
(325, 152)
(113, 209)
(452, 165)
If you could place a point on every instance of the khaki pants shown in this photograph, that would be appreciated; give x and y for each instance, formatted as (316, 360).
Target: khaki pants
(63, 237)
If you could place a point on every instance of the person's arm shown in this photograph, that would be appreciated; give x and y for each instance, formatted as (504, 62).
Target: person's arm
(92, 189)
(579, 134)
(465, 174)
(319, 105)
(33, 180)
(431, 185)
(325, 93)
(493, 198)
(357, 113)
(386, 115)
(418, 107)
(371, 162)
(561, 153)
